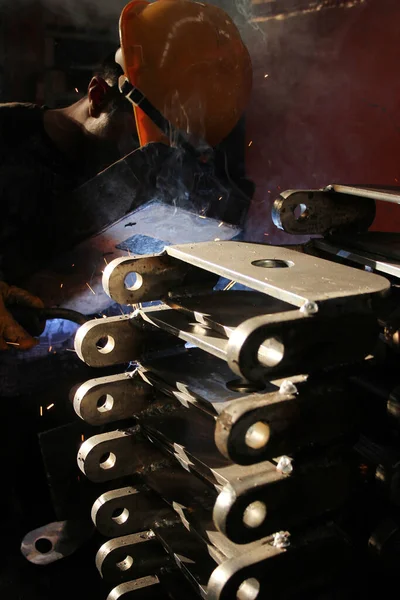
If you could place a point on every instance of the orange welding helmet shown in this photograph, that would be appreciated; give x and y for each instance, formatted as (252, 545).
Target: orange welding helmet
(188, 59)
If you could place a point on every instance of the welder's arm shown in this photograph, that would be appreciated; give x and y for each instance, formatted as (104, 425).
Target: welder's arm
(11, 333)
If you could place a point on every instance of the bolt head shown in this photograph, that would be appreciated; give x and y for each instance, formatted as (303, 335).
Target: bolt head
(309, 308)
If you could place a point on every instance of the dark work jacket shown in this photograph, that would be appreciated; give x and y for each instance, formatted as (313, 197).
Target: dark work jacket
(33, 173)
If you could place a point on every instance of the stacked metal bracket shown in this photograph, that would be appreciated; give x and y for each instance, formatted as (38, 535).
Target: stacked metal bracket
(229, 454)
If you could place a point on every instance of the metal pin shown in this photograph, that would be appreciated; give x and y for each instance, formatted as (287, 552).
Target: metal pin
(287, 387)
(284, 465)
(309, 308)
(281, 539)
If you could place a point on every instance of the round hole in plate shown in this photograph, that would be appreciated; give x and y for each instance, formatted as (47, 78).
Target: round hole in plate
(125, 565)
(107, 460)
(120, 515)
(244, 387)
(272, 263)
(105, 403)
(271, 352)
(254, 514)
(248, 589)
(300, 212)
(44, 545)
(105, 344)
(257, 436)
(133, 281)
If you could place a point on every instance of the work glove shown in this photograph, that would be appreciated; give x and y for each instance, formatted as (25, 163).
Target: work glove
(12, 335)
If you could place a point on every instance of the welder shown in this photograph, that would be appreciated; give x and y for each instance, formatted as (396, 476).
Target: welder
(186, 70)
(45, 153)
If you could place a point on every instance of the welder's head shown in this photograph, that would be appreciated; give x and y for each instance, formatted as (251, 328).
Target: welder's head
(110, 117)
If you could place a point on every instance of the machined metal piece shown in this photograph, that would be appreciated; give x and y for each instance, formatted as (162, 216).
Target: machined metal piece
(126, 510)
(373, 261)
(116, 340)
(254, 506)
(257, 500)
(112, 398)
(277, 345)
(145, 588)
(263, 426)
(284, 274)
(372, 192)
(291, 343)
(131, 280)
(311, 212)
(108, 456)
(111, 340)
(54, 541)
(131, 557)
(312, 558)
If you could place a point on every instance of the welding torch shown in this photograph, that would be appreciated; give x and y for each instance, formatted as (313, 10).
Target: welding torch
(33, 320)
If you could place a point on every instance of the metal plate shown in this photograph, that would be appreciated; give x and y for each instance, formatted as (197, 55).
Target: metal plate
(311, 212)
(54, 541)
(126, 510)
(289, 276)
(130, 557)
(373, 261)
(386, 194)
(109, 456)
(112, 398)
(83, 266)
(225, 310)
(145, 588)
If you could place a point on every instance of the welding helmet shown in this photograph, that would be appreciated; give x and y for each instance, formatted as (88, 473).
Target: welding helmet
(189, 62)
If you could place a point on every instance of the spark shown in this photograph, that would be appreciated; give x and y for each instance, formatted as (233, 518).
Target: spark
(82, 437)
(250, 143)
(202, 217)
(266, 233)
(12, 343)
(220, 225)
(61, 285)
(50, 406)
(71, 350)
(77, 91)
(41, 411)
(316, 7)
(105, 260)
(50, 348)
(73, 265)
(220, 198)
(91, 289)
(217, 240)
(266, 75)
(229, 286)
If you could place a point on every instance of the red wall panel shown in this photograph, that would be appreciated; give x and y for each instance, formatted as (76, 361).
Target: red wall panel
(329, 110)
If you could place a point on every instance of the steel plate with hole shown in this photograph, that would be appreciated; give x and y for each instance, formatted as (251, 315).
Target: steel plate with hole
(112, 398)
(130, 557)
(54, 541)
(309, 278)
